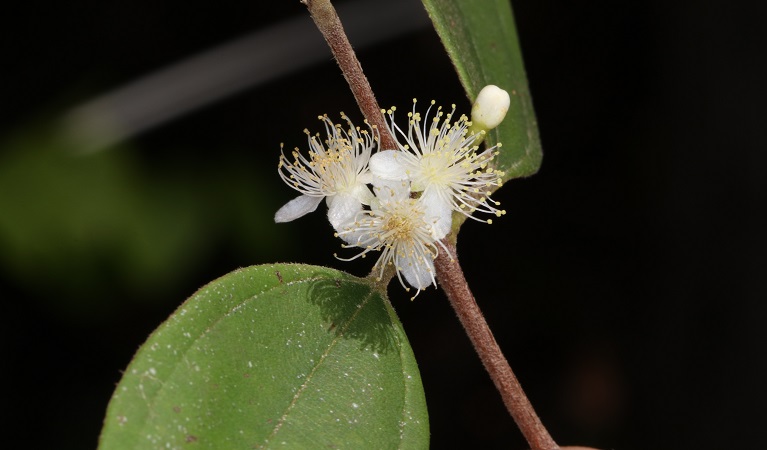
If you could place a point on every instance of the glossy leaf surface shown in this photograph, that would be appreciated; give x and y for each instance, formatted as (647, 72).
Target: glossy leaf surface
(288, 356)
(481, 40)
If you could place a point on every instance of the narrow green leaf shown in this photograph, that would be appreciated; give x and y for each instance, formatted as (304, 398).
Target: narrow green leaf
(288, 356)
(481, 39)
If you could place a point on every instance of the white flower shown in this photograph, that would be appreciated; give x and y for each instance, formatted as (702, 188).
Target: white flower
(436, 168)
(336, 170)
(443, 163)
(401, 228)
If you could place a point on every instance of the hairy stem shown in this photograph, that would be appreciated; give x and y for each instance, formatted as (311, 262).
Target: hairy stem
(453, 282)
(449, 273)
(324, 15)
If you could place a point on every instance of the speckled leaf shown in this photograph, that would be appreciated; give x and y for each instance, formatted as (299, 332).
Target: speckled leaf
(288, 356)
(481, 39)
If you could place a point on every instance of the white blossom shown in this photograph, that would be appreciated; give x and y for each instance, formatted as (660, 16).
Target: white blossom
(436, 169)
(336, 169)
(402, 229)
(442, 162)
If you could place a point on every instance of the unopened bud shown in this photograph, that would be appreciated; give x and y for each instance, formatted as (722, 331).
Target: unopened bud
(489, 109)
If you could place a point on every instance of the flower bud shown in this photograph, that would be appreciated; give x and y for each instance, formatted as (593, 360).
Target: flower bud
(489, 109)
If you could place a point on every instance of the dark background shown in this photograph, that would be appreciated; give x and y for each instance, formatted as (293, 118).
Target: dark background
(626, 284)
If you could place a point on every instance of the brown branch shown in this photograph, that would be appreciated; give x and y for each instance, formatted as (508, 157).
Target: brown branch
(324, 15)
(449, 273)
(453, 282)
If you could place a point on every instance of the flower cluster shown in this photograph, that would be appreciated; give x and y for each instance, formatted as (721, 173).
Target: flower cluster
(399, 201)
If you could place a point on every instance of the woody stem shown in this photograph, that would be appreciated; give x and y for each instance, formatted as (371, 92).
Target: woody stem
(451, 278)
(325, 17)
(449, 273)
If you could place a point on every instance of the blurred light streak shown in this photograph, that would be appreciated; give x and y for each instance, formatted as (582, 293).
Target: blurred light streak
(228, 69)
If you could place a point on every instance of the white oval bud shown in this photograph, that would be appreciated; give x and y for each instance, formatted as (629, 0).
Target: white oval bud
(490, 108)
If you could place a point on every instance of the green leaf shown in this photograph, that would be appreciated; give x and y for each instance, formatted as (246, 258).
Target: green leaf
(288, 356)
(481, 39)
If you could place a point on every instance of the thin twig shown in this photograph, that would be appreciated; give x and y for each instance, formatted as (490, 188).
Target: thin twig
(449, 273)
(453, 282)
(324, 15)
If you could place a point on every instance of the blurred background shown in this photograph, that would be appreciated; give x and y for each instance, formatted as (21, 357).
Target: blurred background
(626, 284)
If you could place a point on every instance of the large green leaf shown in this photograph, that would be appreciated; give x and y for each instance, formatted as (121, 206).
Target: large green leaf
(481, 39)
(288, 356)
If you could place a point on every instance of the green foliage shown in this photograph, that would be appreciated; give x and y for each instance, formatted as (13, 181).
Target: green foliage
(305, 356)
(76, 229)
(293, 355)
(481, 39)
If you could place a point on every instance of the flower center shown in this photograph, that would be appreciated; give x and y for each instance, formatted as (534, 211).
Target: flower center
(434, 170)
(399, 226)
(335, 166)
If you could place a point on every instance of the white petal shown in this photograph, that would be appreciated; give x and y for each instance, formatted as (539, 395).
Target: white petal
(437, 212)
(391, 189)
(342, 209)
(365, 177)
(420, 276)
(299, 206)
(362, 193)
(385, 164)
